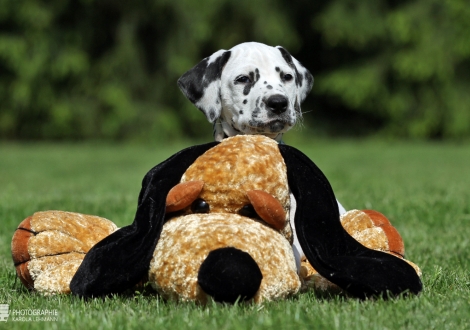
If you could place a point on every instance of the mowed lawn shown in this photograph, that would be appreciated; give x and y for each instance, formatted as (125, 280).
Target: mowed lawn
(423, 188)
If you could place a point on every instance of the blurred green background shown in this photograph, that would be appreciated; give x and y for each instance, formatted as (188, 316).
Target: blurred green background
(107, 69)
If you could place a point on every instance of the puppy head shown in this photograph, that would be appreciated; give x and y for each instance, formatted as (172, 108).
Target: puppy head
(253, 88)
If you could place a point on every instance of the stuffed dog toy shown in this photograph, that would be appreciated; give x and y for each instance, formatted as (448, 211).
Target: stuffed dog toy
(213, 223)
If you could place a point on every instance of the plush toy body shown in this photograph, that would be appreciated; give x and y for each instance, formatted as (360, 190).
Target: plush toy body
(213, 222)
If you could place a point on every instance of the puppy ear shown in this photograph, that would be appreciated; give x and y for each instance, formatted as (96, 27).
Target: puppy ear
(121, 260)
(329, 248)
(201, 84)
(303, 77)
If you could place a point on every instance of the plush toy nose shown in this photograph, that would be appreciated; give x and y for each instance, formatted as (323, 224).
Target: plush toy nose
(228, 274)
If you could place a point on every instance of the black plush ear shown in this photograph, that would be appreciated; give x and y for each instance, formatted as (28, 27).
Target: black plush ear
(121, 260)
(201, 84)
(329, 248)
(303, 77)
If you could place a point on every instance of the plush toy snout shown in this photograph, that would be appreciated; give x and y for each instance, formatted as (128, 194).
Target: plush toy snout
(228, 274)
(221, 256)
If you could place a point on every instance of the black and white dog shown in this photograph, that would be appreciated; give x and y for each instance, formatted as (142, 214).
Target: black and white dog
(250, 89)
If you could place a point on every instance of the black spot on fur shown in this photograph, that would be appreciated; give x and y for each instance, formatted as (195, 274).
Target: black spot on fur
(195, 81)
(277, 69)
(260, 125)
(212, 114)
(255, 123)
(288, 58)
(247, 89)
(309, 78)
(255, 112)
(234, 128)
(281, 75)
(254, 77)
(241, 112)
(297, 105)
(277, 126)
(265, 82)
(269, 87)
(245, 101)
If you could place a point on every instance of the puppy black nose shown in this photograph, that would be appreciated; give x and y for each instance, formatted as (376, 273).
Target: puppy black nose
(228, 274)
(277, 103)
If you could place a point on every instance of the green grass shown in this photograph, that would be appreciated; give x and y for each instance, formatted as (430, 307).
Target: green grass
(423, 188)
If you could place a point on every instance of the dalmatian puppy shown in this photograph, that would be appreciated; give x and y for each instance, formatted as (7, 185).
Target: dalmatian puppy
(251, 88)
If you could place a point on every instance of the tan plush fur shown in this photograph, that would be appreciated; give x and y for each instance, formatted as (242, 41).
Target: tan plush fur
(186, 241)
(237, 165)
(55, 243)
(72, 225)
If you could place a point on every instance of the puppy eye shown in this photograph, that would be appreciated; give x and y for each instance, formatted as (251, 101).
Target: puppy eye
(243, 79)
(248, 211)
(200, 206)
(287, 77)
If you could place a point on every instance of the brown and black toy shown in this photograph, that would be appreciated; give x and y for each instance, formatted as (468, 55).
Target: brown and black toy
(212, 221)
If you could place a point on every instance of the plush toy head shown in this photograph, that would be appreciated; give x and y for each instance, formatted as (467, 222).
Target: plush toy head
(232, 238)
(239, 174)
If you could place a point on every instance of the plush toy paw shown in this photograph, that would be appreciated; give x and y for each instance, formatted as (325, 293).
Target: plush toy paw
(370, 228)
(48, 247)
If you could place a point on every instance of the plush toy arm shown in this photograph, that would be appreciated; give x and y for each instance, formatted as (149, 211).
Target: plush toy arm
(329, 248)
(122, 259)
